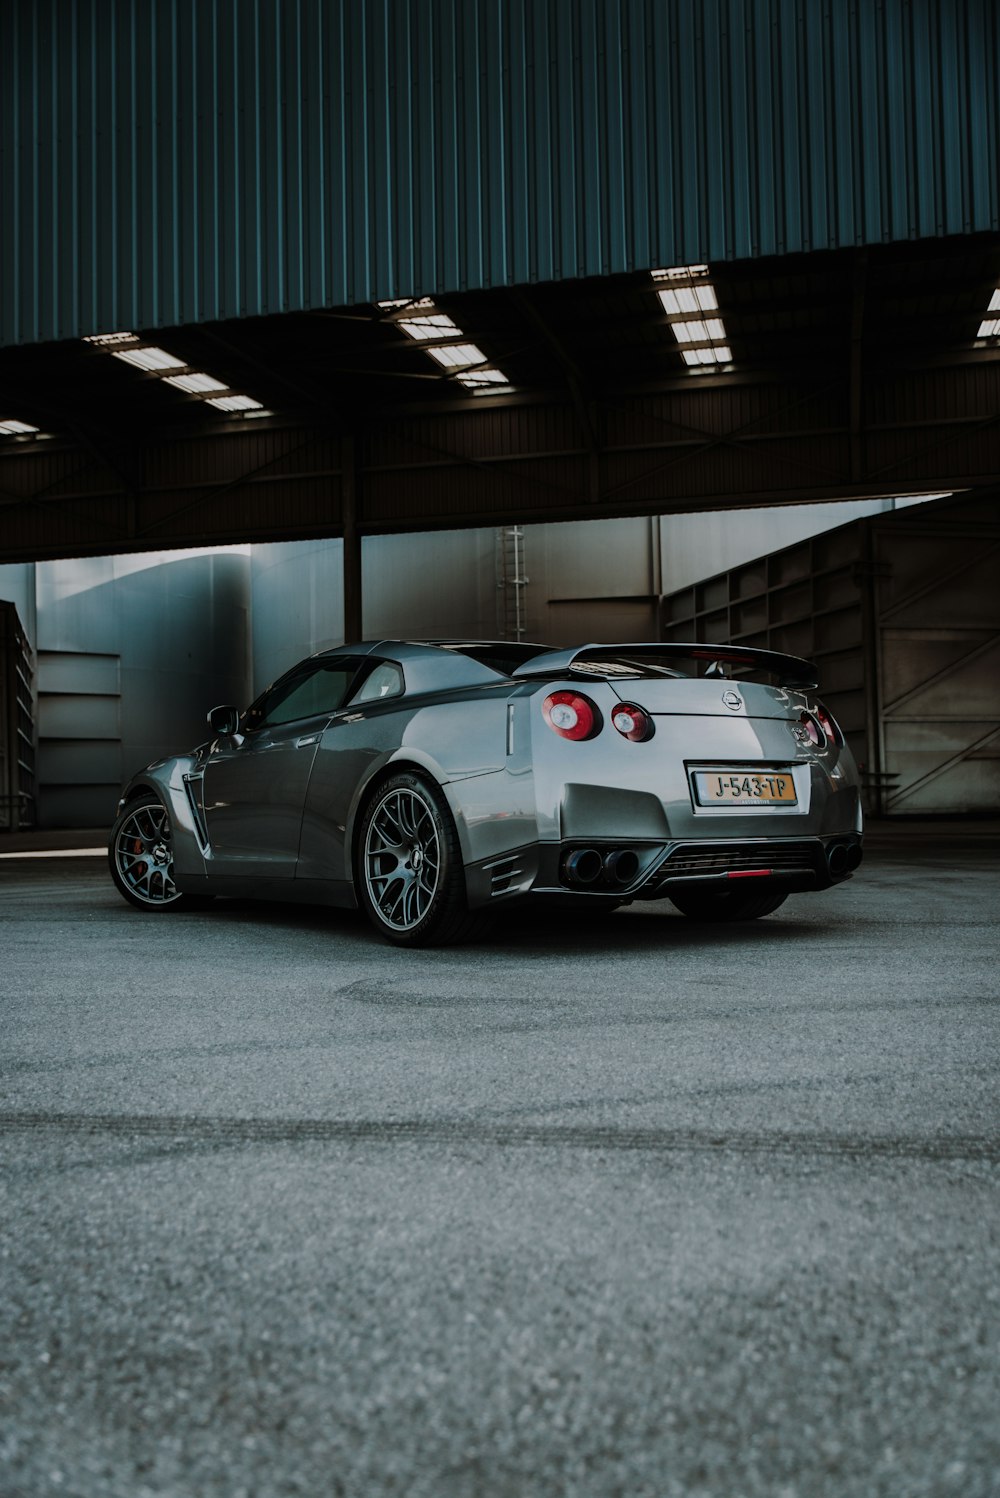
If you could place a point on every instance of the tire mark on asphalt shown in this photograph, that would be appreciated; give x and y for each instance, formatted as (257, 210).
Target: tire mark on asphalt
(183, 1130)
(546, 1017)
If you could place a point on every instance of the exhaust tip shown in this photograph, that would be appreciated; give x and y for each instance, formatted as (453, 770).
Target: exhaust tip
(854, 856)
(583, 866)
(836, 860)
(621, 867)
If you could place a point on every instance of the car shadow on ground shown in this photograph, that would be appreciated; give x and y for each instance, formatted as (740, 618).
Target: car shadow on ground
(638, 928)
(641, 928)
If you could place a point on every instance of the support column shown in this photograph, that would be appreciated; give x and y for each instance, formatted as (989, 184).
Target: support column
(352, 541)
(871, 655)
(857, 365)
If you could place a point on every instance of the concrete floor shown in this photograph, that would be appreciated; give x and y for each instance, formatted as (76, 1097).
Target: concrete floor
(631, 1208)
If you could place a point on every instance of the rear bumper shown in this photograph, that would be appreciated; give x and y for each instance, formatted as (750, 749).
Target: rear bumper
(658, 869)
(803, 863)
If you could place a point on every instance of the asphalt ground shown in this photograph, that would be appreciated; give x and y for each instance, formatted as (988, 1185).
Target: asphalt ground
(626, 1207)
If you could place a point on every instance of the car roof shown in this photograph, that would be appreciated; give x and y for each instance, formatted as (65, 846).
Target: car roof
(445, 665)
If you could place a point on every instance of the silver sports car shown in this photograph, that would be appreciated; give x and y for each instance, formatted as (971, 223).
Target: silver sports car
(435, 783)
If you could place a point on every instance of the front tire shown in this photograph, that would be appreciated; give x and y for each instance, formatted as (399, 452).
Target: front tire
(141, 856)
(409, 870)
(727, 905)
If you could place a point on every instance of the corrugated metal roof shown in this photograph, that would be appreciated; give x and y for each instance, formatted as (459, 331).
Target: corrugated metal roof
(832, 318)
(175, 161)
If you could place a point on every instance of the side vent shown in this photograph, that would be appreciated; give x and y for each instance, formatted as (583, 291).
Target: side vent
(193, 788)
(502, 875)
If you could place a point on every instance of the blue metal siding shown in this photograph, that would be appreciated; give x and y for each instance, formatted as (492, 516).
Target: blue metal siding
(168, 161)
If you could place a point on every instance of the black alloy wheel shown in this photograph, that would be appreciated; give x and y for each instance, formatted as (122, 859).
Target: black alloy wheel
(409, 872)
(141, 856)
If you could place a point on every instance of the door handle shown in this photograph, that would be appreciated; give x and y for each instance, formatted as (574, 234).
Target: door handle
(308, 738)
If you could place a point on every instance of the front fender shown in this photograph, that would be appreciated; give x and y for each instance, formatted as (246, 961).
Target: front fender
(165, 778)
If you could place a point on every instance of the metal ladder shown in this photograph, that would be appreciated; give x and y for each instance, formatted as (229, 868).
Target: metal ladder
(511, 583)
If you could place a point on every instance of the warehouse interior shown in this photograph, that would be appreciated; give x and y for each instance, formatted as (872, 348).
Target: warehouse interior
(109, 663)
(270, 384)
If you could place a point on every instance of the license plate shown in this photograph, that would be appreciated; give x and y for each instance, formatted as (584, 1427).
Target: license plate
(744, 788)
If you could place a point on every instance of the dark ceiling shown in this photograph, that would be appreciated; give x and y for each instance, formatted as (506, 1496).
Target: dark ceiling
(853, 372)
(908, 306)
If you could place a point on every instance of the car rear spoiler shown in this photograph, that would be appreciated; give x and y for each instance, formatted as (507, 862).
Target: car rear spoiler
(789, 670)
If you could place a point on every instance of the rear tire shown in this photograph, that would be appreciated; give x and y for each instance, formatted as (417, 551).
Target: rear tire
(408, 870)
(726, 905)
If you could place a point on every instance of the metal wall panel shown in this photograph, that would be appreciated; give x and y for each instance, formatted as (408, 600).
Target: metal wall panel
(902, 614)
(938, 614)
(172, 161)
(438, 586)
(132, 653)
(17, 585)
(18, 802)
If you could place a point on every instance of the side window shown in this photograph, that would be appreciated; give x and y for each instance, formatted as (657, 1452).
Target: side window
(386, 680)
(309, 692)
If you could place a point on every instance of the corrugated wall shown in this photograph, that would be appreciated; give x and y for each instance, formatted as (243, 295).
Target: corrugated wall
(168, 161)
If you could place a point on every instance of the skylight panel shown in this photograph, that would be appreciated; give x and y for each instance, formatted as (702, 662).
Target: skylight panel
(455, 355)
(689, 299)
(152, 359)
(689, 332)
(990, 326)
(105, 340)
(14, 428)
(157, 361)
(721, 354)
(437, 325)
(686, 299)
(680, 273)
(686, 294)
(697, 331)
(475, 379)
(195, 384)
(440, 335)
(234, 403)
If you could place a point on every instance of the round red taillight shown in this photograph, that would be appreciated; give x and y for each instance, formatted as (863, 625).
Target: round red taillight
(570, 715)
(632, 722)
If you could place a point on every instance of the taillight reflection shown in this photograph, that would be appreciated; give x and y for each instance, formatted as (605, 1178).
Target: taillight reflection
(830, 726)
(822, 728)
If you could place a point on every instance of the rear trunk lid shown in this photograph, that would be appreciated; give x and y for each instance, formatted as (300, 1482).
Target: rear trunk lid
(712, 697)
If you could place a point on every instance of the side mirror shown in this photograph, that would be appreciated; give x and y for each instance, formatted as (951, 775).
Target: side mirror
(224, 720)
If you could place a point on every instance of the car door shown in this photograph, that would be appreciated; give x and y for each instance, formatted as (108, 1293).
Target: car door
(256, 780)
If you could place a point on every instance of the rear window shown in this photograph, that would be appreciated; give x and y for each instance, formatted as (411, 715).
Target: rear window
(622, 665)
(503, 657)
(618, 665)
(384, 680)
